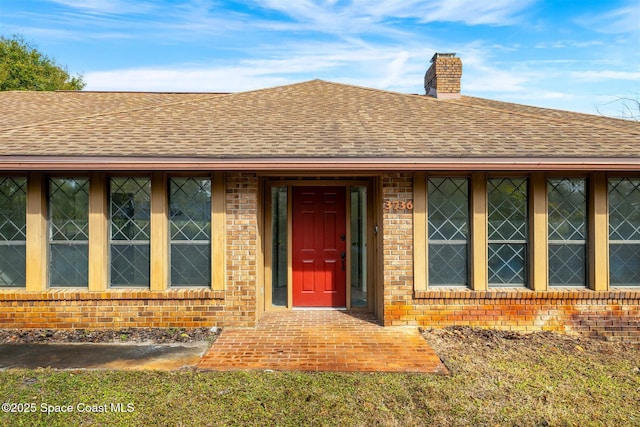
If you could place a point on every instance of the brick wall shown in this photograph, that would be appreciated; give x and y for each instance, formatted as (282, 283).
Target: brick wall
(74, 309)
(613, 315)
(241, 249)
(196, 307)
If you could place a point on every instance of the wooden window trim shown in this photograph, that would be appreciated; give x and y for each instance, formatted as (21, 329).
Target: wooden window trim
(159, 226)
(479, 253)
(218, 231)
(598, 229)
(538, 224)
(98, 275)
(37, 222)
(420, 236)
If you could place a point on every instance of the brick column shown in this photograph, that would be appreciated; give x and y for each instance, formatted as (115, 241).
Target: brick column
(241, 249)
(398, 250)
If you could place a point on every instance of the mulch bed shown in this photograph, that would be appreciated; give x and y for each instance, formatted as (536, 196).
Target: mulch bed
(135, 335)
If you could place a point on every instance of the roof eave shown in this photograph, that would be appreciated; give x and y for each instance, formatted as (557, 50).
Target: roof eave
(89, 163)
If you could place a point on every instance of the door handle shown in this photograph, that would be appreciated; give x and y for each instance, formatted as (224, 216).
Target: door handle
(343, 255)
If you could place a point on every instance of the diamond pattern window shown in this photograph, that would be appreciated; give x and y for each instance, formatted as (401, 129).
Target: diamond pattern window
(13, 231)
(507, 204)
(624, 232)
(129, 231)
(68, 232)
(190, 231)
(448, 215)
(567, 231)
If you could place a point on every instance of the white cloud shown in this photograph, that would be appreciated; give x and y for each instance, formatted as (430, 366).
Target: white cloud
(390, 68)
(481, 73)
(395, 70)
(559, 44)
(489, 79)
(364, 15)
(190, 20)
(625, 19)
(231, 79)
(107, 6)
(473, 12)
(595, 76)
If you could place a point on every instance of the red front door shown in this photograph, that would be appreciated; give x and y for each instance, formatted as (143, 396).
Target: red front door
(319, 247)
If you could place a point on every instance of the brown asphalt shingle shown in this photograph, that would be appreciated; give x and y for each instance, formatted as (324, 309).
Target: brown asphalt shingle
(305, 120)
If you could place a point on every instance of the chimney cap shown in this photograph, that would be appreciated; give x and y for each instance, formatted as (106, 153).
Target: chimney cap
(442, 55)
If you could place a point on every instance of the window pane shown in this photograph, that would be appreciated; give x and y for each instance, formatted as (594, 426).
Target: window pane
(567, 209)
(130, 208)
(13, 209)
(69, 209)
(567, 264)
(624, 232)
(190, 264)
(190, 203)
(624, 209)
(130, 204)
(448, 211)
(507, 232)
(448, 208)
(279, 261)
(12, 264)
(130, 264)
(69, 264)
(68, 231)
(13, 228)
(358, 246)
(507, 264)
(190, 231)
(507, 209)
(567, 231)
(448, 264)
(624, 264)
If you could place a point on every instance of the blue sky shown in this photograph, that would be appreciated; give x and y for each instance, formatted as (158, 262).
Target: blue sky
(568, 54)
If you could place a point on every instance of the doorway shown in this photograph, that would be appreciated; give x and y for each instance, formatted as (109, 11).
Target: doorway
(318, 250)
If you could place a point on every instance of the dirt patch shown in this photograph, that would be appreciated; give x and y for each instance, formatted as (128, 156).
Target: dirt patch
(137, 335)
(492, 338)
(485, 342)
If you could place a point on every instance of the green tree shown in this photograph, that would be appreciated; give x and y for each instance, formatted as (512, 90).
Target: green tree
(23, 67)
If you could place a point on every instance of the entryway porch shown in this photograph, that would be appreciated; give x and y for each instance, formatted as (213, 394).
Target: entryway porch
(322, 340)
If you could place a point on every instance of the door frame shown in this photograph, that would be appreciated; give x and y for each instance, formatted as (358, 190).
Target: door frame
(268, 185)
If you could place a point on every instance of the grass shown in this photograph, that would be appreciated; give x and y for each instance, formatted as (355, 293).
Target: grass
(494, 382)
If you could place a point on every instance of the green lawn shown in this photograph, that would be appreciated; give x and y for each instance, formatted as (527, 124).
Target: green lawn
(495, 381)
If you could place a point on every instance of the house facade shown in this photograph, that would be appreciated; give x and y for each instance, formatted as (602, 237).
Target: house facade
(188, 210)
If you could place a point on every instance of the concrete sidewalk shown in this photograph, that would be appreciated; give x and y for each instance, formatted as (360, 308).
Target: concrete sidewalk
(125, 356)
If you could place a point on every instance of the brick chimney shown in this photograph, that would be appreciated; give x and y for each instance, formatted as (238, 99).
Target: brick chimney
(442, 79)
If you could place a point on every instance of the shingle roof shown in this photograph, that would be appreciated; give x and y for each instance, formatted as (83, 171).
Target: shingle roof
(314, 119)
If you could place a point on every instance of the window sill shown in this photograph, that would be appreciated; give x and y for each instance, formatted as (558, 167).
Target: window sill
(557, 293)
(111, 294)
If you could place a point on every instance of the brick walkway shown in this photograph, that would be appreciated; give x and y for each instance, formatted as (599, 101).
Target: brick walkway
(322, 340)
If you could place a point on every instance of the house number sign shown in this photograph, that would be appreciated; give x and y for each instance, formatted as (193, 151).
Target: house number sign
(397, 205)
